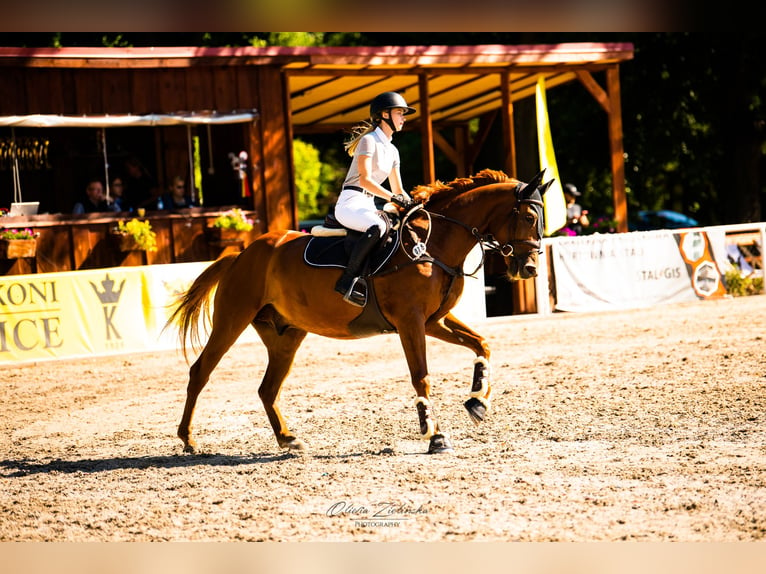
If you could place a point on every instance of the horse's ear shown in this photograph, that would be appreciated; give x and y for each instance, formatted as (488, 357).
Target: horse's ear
(535, 181)
(546, 185)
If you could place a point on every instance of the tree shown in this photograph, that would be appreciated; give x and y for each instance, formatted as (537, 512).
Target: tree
(316, 182)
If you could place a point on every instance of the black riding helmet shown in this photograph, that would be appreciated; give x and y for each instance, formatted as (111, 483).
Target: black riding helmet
(387, 101)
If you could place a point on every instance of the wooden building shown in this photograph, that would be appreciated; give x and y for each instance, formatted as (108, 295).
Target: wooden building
(289, 91)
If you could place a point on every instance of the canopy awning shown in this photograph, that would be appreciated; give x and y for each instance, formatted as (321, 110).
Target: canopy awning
(128, 120)
(103, 121)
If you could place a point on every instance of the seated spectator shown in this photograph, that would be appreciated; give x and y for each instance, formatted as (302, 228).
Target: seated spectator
(116, 190)
(94, 199)
(176, 197)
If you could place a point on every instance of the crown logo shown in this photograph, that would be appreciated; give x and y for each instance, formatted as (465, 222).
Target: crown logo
(108, 295)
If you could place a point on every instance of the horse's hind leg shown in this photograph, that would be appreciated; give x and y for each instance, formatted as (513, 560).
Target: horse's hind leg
(281, 349)
(221, 339)
(451, 330)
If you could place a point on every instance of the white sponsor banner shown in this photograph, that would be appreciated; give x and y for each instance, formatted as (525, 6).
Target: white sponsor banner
(629, 270)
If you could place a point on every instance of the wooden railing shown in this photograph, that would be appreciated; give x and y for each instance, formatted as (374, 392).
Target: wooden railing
(73, 242)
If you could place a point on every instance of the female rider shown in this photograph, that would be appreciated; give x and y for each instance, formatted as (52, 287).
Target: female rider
(374, 160)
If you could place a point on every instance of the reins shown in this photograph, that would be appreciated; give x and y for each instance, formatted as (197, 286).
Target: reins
(486, 241)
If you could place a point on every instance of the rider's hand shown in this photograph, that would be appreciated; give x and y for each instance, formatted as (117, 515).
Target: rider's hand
(403, 202)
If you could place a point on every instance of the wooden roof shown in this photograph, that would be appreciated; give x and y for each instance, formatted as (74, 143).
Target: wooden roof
(330, 87)
(334, 87)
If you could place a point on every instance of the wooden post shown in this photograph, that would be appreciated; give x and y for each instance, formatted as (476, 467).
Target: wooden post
(509, 136)
(462, 167)
(427, 131)
(617, 152)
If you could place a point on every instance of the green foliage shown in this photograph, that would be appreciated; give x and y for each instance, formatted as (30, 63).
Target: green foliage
(289, 39)
(317, 182)
(116, 41)
(739, 285)
(233, 219)
(18, 234)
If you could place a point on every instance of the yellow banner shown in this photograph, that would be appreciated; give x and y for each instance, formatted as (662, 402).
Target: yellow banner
(555, 208)
(197, 180)
(87, 313)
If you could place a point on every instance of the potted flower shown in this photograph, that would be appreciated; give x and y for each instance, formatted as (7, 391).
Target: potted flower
(229, 227)
(135, 235)
(17, 243)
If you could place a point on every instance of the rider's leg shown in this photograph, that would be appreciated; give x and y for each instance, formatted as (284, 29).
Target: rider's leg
(350, 285)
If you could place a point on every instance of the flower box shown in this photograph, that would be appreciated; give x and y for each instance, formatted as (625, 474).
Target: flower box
(134, 235)
(17, 248)
(126, 242)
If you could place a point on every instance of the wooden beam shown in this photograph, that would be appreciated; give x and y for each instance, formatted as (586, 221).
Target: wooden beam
(426, 130)
(587, 80)
(290, 172)
(509, 143)
(515, 69)
(616, 148)
(446, 147)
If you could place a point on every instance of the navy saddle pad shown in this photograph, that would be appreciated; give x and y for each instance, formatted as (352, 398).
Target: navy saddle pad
(334, 251)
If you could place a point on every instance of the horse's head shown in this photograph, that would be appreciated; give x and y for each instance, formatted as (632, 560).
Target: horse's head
(520, 236)
(502, 213)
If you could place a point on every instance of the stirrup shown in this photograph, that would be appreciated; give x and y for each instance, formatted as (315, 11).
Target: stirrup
(354, 296)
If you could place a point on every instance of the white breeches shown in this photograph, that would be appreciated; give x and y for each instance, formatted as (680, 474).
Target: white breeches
(357, 211)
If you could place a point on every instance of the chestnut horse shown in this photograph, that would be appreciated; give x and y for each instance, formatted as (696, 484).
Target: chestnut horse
(269, 286)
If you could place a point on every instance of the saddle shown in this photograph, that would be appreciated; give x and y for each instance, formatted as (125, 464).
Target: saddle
(331, 245)
(330, 227)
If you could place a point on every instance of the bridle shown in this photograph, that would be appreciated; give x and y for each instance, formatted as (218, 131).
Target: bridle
(487, 241)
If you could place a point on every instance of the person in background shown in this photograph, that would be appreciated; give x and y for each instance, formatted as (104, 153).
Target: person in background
(577, 217)
(117, 192)
(176, 196)
(140, 188)
(94, 199)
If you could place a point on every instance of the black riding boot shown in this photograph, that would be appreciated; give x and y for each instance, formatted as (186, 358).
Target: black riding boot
(350, 285)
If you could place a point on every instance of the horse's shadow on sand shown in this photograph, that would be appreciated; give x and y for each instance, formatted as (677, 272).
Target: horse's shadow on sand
(20, 468)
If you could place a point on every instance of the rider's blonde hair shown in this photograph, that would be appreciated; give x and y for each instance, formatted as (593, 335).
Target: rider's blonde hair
(357, 132)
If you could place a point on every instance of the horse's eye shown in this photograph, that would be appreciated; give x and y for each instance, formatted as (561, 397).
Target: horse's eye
(530, 219)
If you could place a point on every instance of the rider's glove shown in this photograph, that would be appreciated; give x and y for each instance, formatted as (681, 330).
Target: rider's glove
(403, 202)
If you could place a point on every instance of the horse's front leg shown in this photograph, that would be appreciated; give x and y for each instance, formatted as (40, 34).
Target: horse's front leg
(452, 330)
(414, 344)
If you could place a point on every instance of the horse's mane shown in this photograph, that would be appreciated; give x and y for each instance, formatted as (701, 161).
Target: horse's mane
(424, 193)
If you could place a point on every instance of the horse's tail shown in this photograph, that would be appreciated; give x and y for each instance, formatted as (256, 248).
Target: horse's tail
(195, 304)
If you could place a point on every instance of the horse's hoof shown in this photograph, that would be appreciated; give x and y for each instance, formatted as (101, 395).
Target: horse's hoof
(294, 445)
(476, 409)
(439, 444)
